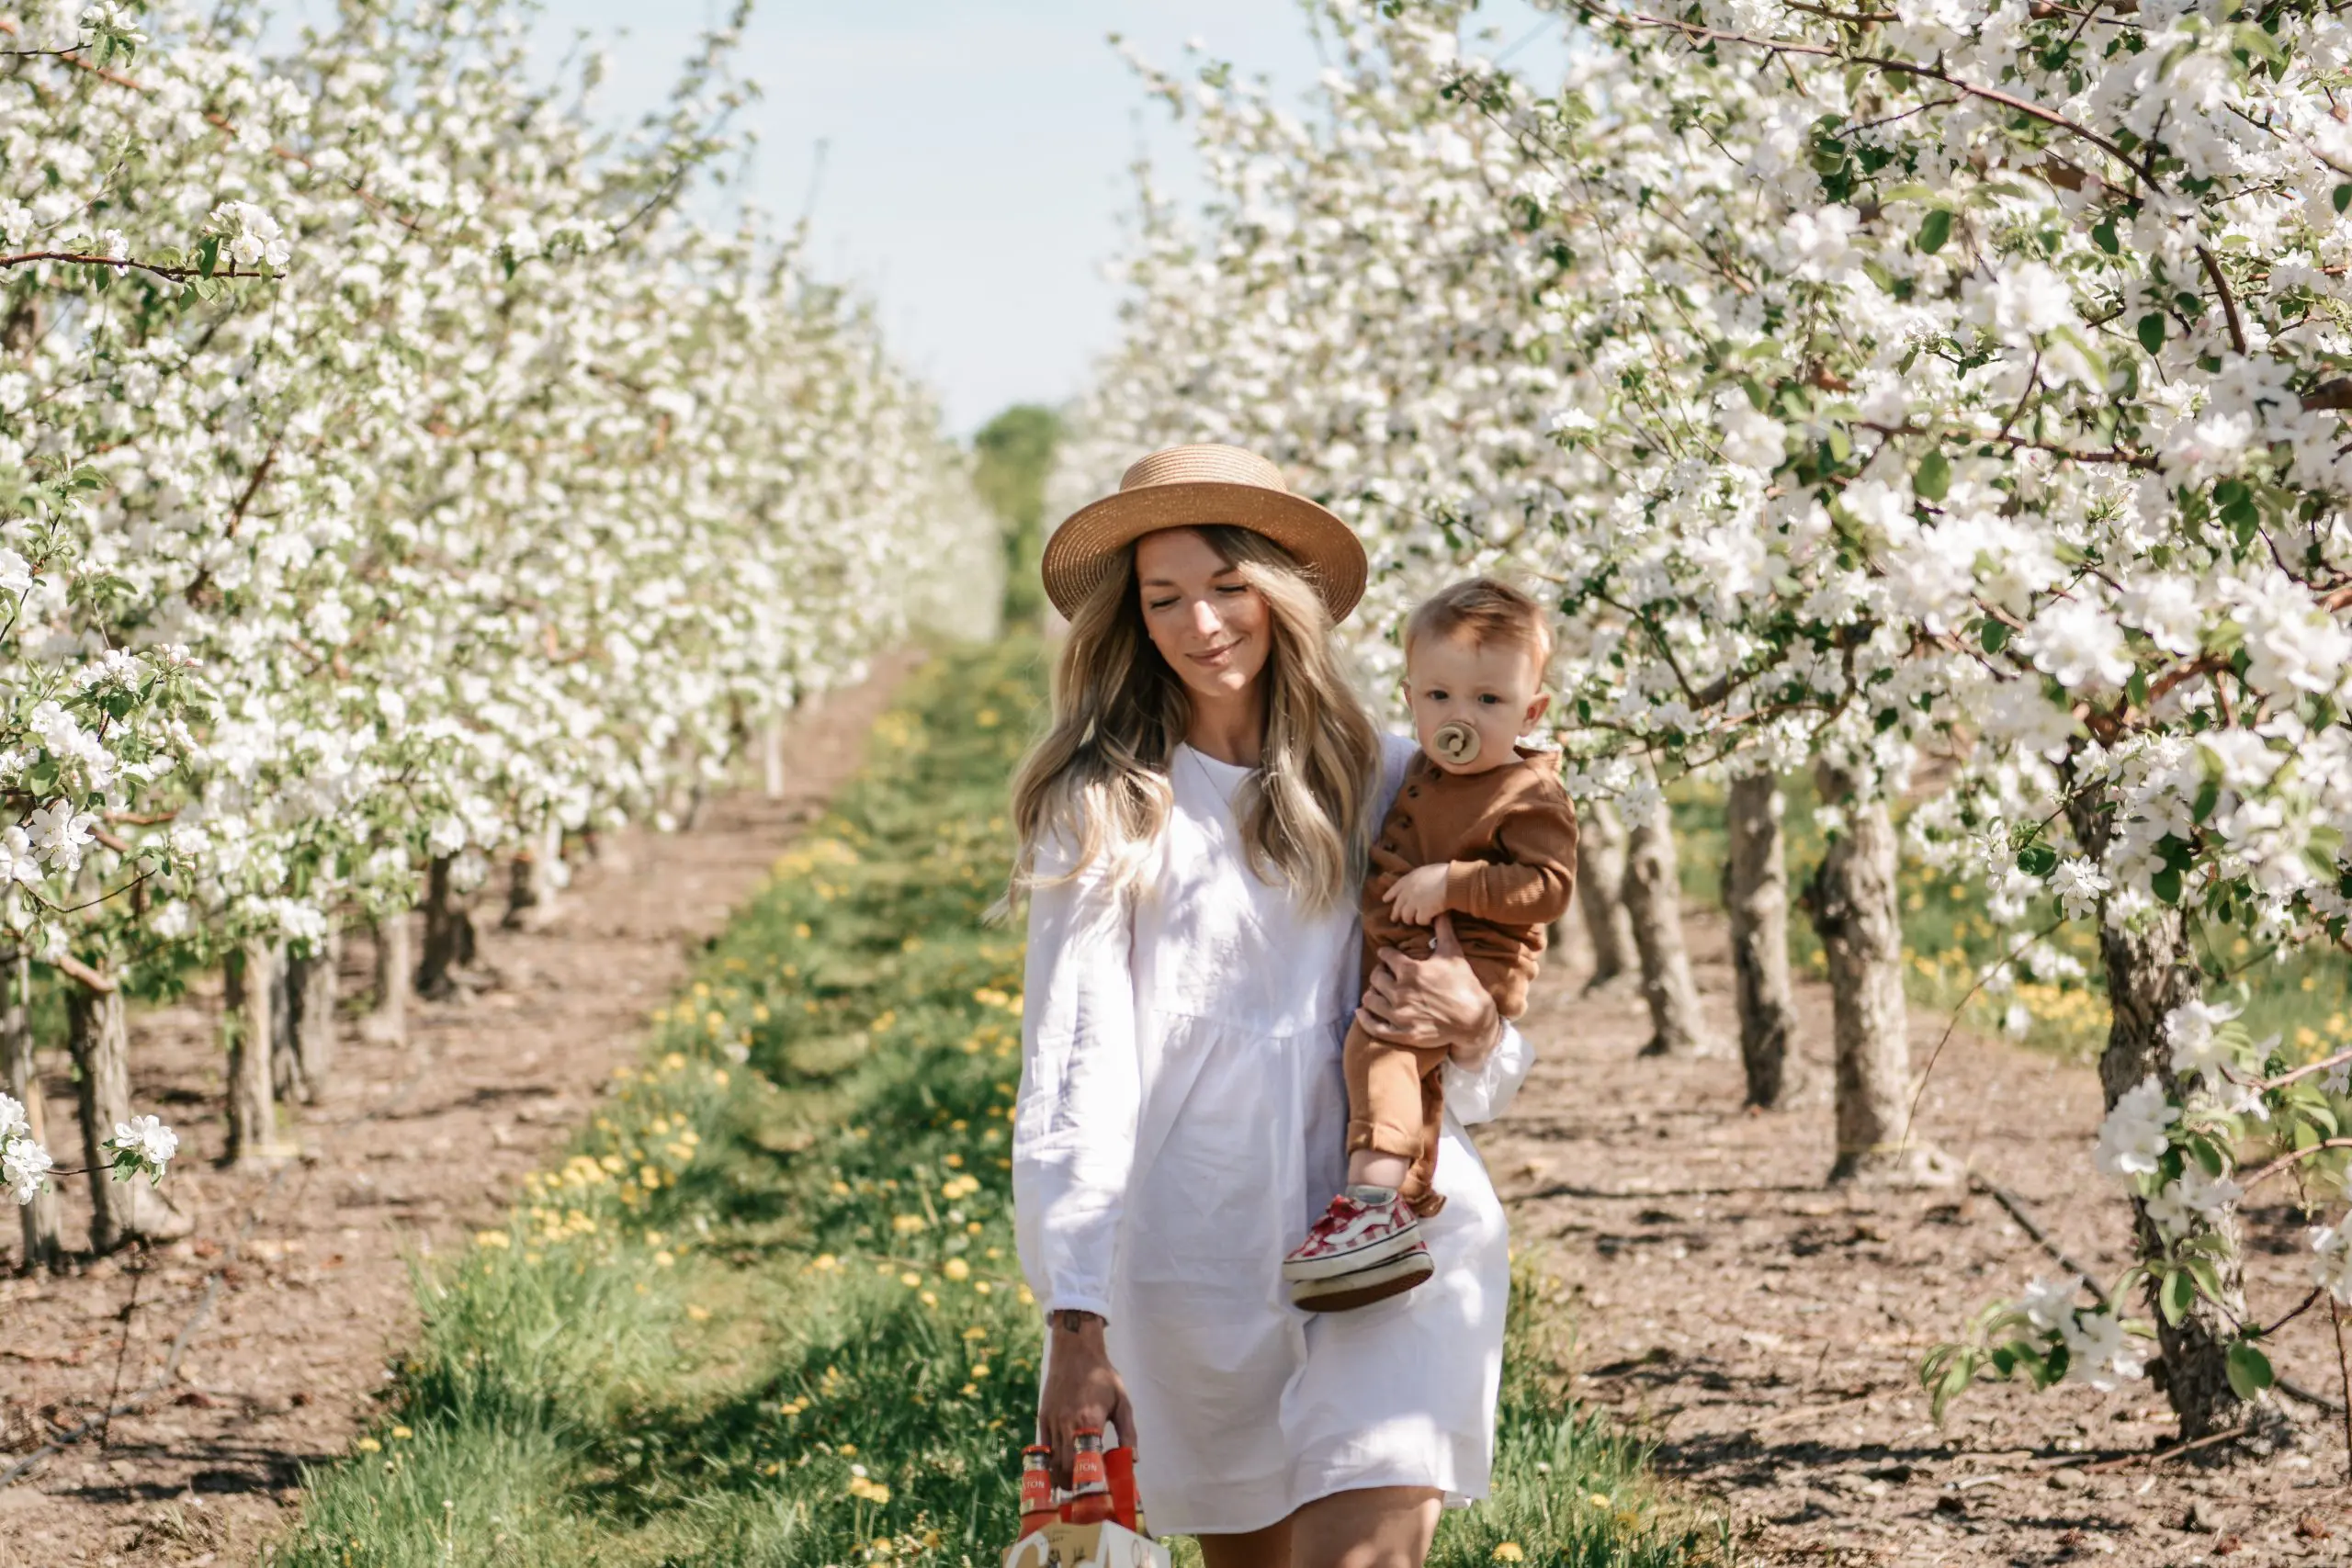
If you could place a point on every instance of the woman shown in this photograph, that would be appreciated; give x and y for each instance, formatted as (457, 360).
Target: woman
(1193, 834)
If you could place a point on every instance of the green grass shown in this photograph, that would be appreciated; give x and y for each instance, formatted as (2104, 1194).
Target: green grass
(1950, 939)
(768, 1313)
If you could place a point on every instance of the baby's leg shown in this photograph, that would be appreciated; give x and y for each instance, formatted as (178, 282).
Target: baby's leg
(1507, 983)
(1386, 1114)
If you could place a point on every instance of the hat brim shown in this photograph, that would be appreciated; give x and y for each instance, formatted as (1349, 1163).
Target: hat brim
(1086, 544)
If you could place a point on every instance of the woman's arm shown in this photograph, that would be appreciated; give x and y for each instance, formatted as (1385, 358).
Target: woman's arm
(1073, 1134)
(1433, 1001)
(1436, 1000)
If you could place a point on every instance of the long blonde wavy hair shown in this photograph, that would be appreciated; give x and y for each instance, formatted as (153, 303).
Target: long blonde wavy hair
(1100, 774)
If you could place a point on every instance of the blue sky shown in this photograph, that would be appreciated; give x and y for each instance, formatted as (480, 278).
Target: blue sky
(977, 168)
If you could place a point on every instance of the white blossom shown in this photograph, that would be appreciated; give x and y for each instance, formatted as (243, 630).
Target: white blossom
(2133, 1138)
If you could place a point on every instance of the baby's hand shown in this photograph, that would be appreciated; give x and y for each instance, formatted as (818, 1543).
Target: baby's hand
(1419, 896)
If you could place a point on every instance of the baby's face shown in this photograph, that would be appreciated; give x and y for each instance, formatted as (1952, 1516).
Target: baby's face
(1461, 691)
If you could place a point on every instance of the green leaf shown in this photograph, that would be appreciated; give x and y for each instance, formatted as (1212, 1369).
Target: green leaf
(2343, 196)
(2249, 1369)
(2152, 331)
(2178, 1294)
(2037, 860)
(2103, 235)
(1935, 229)
(1992, 635)
(1931, 480)
(2208, 1155)
(2208, 794)
(2165, 884)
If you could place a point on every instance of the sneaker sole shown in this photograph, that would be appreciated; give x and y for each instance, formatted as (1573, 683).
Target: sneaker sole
(1306, 1270)
(1376, 1283)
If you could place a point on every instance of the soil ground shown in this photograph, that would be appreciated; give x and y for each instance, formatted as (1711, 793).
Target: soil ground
(1765, 1331)
(294, 1292)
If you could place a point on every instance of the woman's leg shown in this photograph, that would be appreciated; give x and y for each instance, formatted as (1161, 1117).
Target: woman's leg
(1379, 1526)
(1268, 1548)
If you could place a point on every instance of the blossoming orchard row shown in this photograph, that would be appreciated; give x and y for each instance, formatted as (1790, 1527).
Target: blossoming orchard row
(396, 475)
(1948, 382)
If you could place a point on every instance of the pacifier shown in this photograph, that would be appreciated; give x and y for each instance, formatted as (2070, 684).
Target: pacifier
(1456, 742)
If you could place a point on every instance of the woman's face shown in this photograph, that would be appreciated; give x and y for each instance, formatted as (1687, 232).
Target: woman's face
(1212, 627)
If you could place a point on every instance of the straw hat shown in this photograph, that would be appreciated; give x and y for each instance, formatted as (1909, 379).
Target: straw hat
(1186, 486)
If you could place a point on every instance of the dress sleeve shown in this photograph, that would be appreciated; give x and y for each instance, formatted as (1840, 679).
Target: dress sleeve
(1074, 1119)
(1481, 1094)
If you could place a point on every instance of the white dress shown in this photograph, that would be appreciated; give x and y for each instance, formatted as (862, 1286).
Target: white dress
(1181, 1120)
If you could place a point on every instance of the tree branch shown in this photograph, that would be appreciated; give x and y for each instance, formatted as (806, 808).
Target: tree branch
(2026, 107)
(126, 264)
(2229, 300)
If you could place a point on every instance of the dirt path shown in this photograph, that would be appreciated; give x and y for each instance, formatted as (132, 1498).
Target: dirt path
(304, 1270)
(1766, 1332)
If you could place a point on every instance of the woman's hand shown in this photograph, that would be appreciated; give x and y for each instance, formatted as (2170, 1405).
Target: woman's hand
(1081, 1390)
(1437, 1000)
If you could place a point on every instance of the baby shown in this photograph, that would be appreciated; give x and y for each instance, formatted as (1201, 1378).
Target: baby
(1482, 830)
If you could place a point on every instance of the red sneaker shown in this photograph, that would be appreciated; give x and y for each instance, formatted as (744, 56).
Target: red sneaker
(1356, 1254)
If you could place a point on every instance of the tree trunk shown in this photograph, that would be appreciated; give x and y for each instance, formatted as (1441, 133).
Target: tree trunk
(772, 756)
(1854, 908)
(1600, 893)
(448, 935)
(1653, 895)
(1756, 897)
(99, 1037)
(252, 991)
(535, 880)
(20, 1076)
(2151, 970)
(285, 1084)
(310, 1029)
(387, 1021)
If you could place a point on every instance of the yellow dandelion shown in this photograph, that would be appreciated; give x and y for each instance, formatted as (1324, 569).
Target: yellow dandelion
(369, 1446)
(699, 1313)
(956, 1268)
(910, 1279)
(1508, 1551)
(492, 1239)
